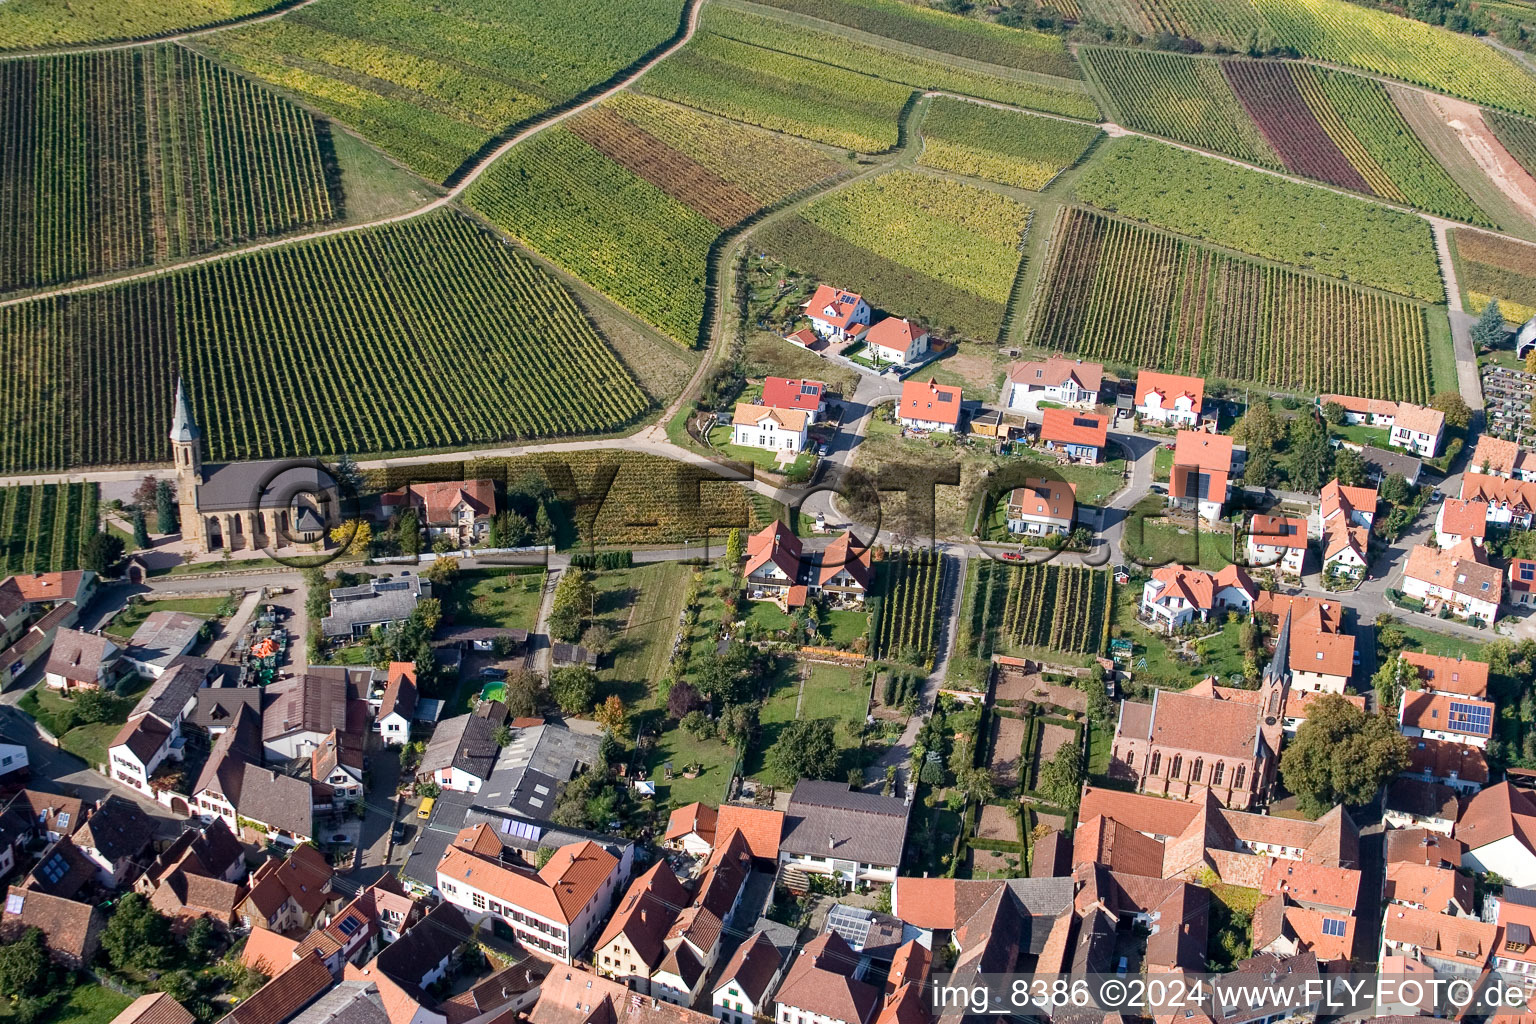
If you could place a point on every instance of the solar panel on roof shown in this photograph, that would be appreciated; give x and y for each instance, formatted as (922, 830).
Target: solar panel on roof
(13, 904)
(1472, 717)
(349, 926)
(1333, 926)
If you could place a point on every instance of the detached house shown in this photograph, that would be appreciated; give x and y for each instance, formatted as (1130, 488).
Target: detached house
(807, 396)
(1354, 506)
(398, 708)
(1176, 596)
(462, 752)
(1200, 480)
(460, 510)
(355, 611)
(1057, 379)
(1457, 577)
(854, 837)
(1277, 542)
(1041, 508)
(1418, 429)
(772, 568)
(779, 430)
(1169, 399)
(152, 733)
(82, 661)
(1498, 827)
(843, 570)
(835, 313)
(1080, 436)
(929, 406)
(897, 341)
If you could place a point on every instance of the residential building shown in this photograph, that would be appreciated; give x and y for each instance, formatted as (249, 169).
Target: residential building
(693, 941)
(36, 640)
(425, 951)
(898, 341)
(1354, 506)
(1277, 542)
(160, 640)
(1459, 578)
(779, 430)
(247, 505)
(576, 996)
(82, 661)
(835, 313)
(691, 828)
(154, 1008)
(1441, 716)
(460, 510)
(1515, 916)
(554, 911)
(1498, 827)
(1503, 502)
(929, 406)
(138, 749)
(1457, 676)
(824, 986)
(1381, 463)
(256, 802)
(1200, 478)
(539, 759)
(71, 931)
(744, 991)
(633, 944)
(398, 708)
(857, 838)
(1371, 412)
(198, 875)
(1041, 508)
(842, 571)
(1460, 766)
(27, 598)
(1460, 520)
(793, 394)
(355, 611)
(763, 828)
(1452, 946)
(336, 771)
(153, 732)
(1079, 436)
(1169, 399)
(298, 713)
(1320, 661)
(773, 565)
(115, 836)
(288, 895)
(1070, 382)
(1414, 803)
(1176, 596)
(1429, 887)
(461, 753)
(295, 987)
(1495, 456)
(1417, 429)
(1346, 551)
(1522, 582)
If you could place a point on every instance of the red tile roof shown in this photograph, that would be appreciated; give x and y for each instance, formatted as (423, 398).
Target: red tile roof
(1169, 386)
(929, 401)
(559, 891)
(438, 500)
(793, 393)
(1323, 884)
(1328, 654)
(774, 543)
(1432, 711)
(1153, 815)
(1463, 518)
(1279, 531)
(1107, 842)
(267, 951)
(1199, 587)
(1419, 418)
(1066, 426)
(1450, 675)
(694, 817)
(762, 827)
(832, 305)
(286, 994)
(1182, 721)
(1361, 406)
(154, 1008)
(1052, 499)
(1495, 813)
(1458, 569)
(1430, 885)
(846, 552)
(1459, 939)
(1209, 452)
(894, 333)
(1337, 497)
(1274, 605)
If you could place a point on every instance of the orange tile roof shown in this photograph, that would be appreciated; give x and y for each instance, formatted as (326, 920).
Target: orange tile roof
(1274, 605)
(1338, 537)
(1427, 711)
(646, 912)
(749, 415)
(1463, 518)
(560, 889)
(1199, 587)
(1450, 675)
(774, 543)
(1183, 721)
(1443, 758)
(1459, 939)
(929, 401)
(804, 336)
(1279, 531)
(1497, 456)
(1429, 885)
(1153, 815)
(1328, 654)
(1419, 418)
(694, 817)
(1055, 499)
(1361, 406)
(576, 872)
(1457, 569)
(47, 586)
(1323, 884)
(1517, 495)
(267, 951)
(894, 332)
(842, 305)
(1107, 842)
(286, 994)
(1338, 497)
(762, 827)
(154, 1008)
(1308, 928)
(846, 552)
(1209, 452)
(793, 393)
(1169, 386)
(1495, 813)
(1066, 426)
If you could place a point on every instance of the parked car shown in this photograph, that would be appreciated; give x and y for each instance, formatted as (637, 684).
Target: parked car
(822, 450)
(425, 810)
(398, 833)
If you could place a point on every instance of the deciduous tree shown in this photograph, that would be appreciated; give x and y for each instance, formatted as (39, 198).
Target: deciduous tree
(805, 749)
(1457, 412)
(573, 688)
(1341, 755)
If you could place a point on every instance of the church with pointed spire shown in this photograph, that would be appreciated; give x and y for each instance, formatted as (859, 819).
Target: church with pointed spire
(247, 506)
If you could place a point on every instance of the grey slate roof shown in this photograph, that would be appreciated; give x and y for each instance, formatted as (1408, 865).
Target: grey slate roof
(281, 801)
(467, 742)
(424, 945)
(80, 655)
(274, 483)
(378, 601)
(534, 764)
(183, 426)
(217, 706)
(168, 696)
(1380, 462)
(117, 829)
(827, 819)
(350, 1002)
(163, 637)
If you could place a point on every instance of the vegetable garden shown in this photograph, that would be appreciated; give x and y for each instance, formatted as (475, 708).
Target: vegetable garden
(1128, 295)
(1004, 146)
(1500, 268)
(122, 158)
(633, 215)
(1254, 212)
(470, 72)
(1060, 607)
(424, 334)
(906, 625)
(1335, 127)
(943, 252)
(42, 526)
(29, 24)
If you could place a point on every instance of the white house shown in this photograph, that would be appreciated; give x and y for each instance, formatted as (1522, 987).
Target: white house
(1457, 577)
(1080, 436)
(780, 430)
(1320, 661)
(1278, 542)
(856, 838)
(13, 758)
(1504, 502)
(1495, 456)
(461, 754)
(894, 340)
(553, 911)
(825, 985)
(1372, 412)
(1418, 429)
(1346, 550)
(929, 406)
(835, 313)
(691, 828)
(398, 708)
(1041, 507)
(160, 640)
(81, 660)
(746, 985)
(1057, 379)
(1200, 479)
(138, 749)
(1169, 399)
(807, 396)
(1176, 596)
(1455, 718)
(1496, 825)
(1353, 505)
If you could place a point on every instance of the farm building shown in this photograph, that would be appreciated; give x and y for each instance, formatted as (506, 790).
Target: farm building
(1080, 436)
(835, 313)
(779, 430)
(1201, 477)
(929, 406)
(1042, 507)
(896, 341)
(1277, 542)
(1057, 379)
(1169, 399)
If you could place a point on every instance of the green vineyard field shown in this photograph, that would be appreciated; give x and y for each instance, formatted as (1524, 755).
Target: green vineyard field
(124, 158)
(1004, 146)
(1140, 298)
(1492, 267)
(29, 24)
(906, 625)
(425, 334)
(42, 526)
(434, 83)
(1057, 607)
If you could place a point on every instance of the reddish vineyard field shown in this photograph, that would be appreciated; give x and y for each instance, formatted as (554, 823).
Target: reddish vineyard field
(1270, 97)
(1136, 297)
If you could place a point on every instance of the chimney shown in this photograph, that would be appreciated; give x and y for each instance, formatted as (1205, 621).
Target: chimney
(831, 842)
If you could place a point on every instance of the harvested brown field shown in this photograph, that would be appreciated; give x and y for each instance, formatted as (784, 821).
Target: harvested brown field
(1007, 751)
(997, 823)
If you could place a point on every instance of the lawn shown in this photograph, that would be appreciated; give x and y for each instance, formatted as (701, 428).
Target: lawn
(1222, 653)
(353, 654)
(835, 691)
(679, 748)
(1359, 433)
(701, 636)
(1100, 742)
(87, 742)
(778, 709)
(1162, 464)
(132, 617)
(87, 1004)
(767, 615)
(642, 608)
(1156, 542)
(844, 627)
(763, 458)
(505, 598)
(1441, 644)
